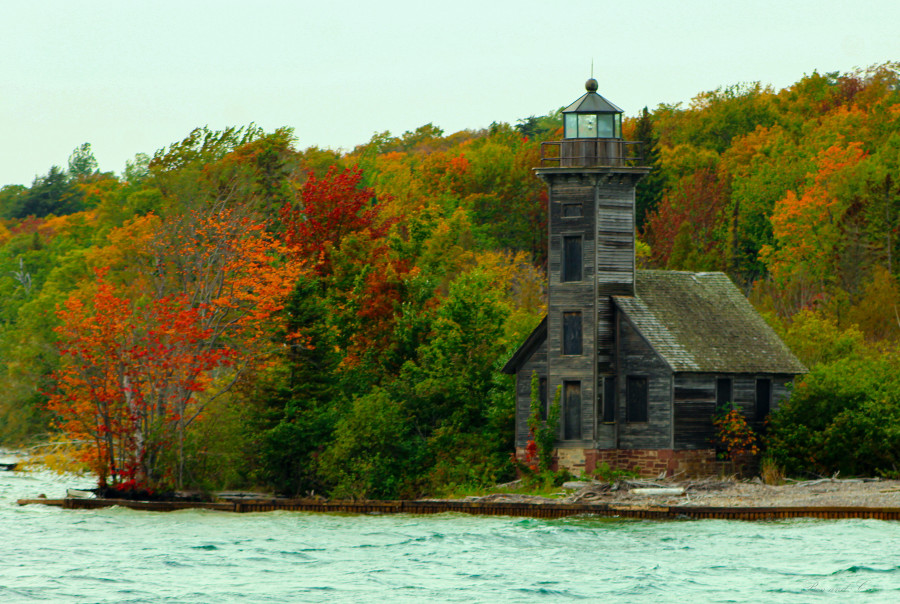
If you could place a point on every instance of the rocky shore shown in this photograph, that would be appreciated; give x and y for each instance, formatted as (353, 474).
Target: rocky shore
(825, 492)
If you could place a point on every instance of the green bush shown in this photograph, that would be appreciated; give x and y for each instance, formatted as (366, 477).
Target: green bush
(843, 416)
(374, 454)
(604, 473)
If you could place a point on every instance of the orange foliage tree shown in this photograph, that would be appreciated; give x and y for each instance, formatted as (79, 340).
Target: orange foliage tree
(210, 283)
(808, 229)
(127, 380)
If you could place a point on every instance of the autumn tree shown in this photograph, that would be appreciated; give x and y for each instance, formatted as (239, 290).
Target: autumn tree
(682, 231)
(330, 209)
(128, 381)
(807, 229)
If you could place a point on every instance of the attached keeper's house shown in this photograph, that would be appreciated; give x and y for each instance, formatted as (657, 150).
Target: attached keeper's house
(642, 358)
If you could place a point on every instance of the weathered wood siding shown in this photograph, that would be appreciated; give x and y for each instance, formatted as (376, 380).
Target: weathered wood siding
(606, 227)
(572, 296)
(615, 234)
(536, 363)
(637, 358)
(695, 404)
(781, 389)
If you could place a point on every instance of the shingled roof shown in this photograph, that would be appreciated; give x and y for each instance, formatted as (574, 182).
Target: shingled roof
(700, 322)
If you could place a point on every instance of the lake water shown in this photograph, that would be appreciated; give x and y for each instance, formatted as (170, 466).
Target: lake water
(117, 555)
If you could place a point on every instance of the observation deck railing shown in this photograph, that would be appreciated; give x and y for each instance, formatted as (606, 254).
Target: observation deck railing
(591, 153)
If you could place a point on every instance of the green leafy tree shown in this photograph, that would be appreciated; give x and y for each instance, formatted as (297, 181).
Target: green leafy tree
(842, 417)
(375, 453)
(82, 162)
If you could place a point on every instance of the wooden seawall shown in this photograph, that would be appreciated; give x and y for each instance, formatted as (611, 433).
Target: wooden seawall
(493, 508)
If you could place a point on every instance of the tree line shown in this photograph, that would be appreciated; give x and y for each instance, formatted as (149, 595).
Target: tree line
(236, 311)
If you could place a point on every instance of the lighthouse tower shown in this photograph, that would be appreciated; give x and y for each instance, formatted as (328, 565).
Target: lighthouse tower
(591, 175)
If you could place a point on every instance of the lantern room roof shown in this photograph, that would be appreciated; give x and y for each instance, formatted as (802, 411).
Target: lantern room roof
(591, 102)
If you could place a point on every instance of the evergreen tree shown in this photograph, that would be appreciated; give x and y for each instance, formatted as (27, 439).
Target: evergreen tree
(649, 190)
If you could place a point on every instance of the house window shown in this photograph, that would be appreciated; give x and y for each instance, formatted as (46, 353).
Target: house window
(724, 393)
(763, 398)
(636, 400)
(543, 395)
(571, 210)
(609, 399)
(572, 258)
(572, 411)
(571, 342)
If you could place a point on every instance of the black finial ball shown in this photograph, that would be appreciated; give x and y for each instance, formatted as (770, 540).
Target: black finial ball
(591, 85)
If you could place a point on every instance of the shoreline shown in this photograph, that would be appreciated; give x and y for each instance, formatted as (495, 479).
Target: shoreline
(730, 492)
(719, 499)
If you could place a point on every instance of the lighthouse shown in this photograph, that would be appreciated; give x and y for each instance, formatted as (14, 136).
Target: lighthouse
(642, 358)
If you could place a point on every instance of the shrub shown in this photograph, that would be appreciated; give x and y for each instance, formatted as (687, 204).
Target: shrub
(543, 434)
(734, 436)
(843, 416)
(374, 453)
(604, 473)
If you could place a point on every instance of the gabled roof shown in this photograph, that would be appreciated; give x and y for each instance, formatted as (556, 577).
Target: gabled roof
(700, 322)
(697, 322)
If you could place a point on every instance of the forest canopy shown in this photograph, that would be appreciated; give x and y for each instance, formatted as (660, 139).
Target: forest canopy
(235, 310)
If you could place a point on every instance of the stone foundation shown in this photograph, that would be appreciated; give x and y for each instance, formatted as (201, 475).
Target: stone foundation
(650, 463)
(574, 460)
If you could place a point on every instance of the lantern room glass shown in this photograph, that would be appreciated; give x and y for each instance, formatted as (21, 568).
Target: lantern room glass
(593, 125)
(587, 125)
(571, 125)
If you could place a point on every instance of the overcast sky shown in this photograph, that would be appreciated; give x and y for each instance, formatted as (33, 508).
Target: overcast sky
(132, 77)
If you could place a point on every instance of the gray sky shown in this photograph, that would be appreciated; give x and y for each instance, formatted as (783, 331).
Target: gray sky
(132, 77)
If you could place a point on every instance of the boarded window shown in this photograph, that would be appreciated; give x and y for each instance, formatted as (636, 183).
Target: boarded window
(609, 399)
(724, 395)
(543, 395)
(763, 398)
(636, 401)
(571, 210)
(571, 333)
(572, 260)
(572, 411)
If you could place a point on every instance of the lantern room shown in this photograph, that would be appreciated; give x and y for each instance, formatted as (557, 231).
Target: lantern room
(592, 116)
(592, 136)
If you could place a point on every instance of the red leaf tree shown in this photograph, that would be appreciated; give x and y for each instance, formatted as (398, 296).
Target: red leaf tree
(127, 379)
(332, 208)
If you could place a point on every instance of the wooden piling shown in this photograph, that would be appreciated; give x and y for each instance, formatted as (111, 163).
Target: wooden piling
(492, 508)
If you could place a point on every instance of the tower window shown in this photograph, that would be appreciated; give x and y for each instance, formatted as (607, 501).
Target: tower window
(571, 341)
(571, 210)
(572, 258)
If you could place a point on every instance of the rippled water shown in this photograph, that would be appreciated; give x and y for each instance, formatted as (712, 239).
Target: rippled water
(119, 555)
